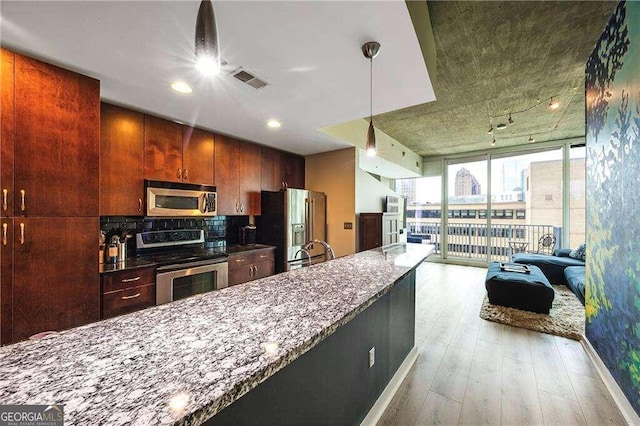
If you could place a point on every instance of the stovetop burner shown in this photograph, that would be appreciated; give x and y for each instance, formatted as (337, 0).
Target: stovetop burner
(182, 256)
(174, 247)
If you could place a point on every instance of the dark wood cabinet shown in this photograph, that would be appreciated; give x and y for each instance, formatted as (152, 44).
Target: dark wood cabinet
(292, 170)
(6, 280)
(162, 149)
(250, 171)
(49, 162)
(57, 130)
(369, 231)
(55, 280)
(7, 132)
(121, 161)
(227, 176)
(237, 176)
(281, 169)
(127, 291)
(252, 265)
(197, 156)
(177, 153)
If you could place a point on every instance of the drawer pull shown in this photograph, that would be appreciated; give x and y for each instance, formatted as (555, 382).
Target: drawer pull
(242, 259)
(130, 297)
(262, 256)
(128, 280)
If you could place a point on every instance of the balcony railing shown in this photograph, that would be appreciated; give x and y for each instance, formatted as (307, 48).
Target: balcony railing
(469, 240)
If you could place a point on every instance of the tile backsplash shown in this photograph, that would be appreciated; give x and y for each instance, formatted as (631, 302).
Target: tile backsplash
(219, 230)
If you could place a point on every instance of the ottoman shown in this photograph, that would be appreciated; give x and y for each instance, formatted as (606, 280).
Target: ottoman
(530, 292)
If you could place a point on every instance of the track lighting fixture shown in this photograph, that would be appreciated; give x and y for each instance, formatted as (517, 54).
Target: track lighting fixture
(493, 143)
(553, 105)
(531, 140)
(510, 120)
(490, 131)
(370, 50)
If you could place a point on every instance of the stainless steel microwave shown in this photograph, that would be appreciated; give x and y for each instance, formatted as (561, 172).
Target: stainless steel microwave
(172, 199)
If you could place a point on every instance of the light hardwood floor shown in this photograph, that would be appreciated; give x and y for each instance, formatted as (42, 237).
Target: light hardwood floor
(475, 372)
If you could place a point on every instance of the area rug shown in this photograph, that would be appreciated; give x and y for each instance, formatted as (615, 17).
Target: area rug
(566, 318)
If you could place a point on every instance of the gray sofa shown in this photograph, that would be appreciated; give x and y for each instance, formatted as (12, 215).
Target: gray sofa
(559, 268)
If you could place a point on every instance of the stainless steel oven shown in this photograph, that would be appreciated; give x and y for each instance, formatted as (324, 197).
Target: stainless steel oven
(170, 199)
(184, 267)
(174, 282)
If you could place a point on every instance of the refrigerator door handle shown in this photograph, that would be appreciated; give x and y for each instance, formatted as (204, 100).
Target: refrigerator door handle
(313, 219)
(307, 219)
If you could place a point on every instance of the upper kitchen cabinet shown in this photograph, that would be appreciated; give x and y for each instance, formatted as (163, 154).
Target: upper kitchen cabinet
(280, 169)
(6, 132)
(121, 161)
(162, 149)
(56, 156)
(292, 170)
(198, 147)
(177, 153)
(237, 176)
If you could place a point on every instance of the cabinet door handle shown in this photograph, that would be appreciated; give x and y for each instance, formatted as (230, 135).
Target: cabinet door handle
(22, 233)
(255, 269)
(128, 280)
(250, 271)
(4, 199)
(22, 194)
(4, 234)
(130, 297)
(179, 173)
(241, 207)
(140, 204)
(237, 208)
(186, 174)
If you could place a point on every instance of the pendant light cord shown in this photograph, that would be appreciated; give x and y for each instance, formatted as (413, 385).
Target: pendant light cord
(371, 89)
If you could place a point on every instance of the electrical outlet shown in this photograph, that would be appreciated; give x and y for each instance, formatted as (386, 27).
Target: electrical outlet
(348, 225)
(372, 356)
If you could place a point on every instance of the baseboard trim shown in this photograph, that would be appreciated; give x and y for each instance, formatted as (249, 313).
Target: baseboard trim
(618, 396)
(383, 401)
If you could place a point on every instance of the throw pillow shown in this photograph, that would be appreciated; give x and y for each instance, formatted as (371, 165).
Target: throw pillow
(580, 252)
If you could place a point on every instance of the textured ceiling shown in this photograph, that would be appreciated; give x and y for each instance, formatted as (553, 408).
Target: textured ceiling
(499, 57)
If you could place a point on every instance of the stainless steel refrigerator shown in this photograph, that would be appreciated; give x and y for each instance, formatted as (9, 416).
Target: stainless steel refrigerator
(289, 219)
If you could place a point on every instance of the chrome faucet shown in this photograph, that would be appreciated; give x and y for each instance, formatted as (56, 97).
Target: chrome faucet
(329, 254)
(304, 251)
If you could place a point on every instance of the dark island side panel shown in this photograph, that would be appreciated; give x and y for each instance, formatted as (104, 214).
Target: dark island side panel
(332, 383)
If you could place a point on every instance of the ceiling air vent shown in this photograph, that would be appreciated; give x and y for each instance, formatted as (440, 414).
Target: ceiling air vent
(248, 78)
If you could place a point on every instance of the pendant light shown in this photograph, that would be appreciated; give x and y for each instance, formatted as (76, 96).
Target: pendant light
(207, 48)
(370, 50)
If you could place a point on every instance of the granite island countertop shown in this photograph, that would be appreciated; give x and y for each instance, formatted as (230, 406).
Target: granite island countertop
(185, 361)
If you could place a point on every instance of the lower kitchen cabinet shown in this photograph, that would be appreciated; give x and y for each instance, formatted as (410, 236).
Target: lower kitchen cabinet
(252, 265)
(127, 291)
(55, 275)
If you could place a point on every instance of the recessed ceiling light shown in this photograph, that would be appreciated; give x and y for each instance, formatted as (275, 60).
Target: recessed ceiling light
(554, 105)
(274, 124)
(181, 87)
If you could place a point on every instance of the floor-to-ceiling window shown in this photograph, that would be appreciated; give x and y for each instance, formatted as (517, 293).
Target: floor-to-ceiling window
(467, 226)
(500, 203)
(423, 209)
(577, 194)
(526, 192)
